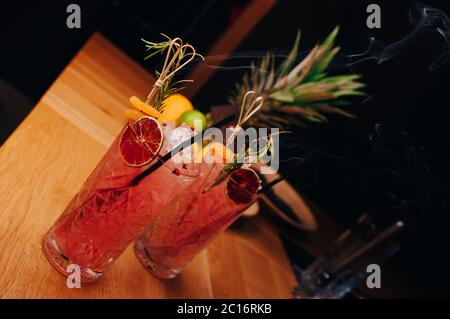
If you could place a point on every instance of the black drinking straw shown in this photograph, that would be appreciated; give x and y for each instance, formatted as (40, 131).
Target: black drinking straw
(160, 162)
(268, 186)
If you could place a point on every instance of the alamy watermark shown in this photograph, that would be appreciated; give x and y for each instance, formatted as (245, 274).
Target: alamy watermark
(73, 20)
(374, 278)
(373, 21)
(74, 276)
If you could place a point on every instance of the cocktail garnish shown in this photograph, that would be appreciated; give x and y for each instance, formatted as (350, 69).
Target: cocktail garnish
(140, 141)
(147, 134)
(250, 105)
(179, 148)
(178, 55)
(242, 185)
(134, 114)
(144, 108)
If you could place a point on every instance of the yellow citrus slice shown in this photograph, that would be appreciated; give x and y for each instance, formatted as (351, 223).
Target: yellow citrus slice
(134, 114)
(144, 108)
(174, 106)
(218, 152)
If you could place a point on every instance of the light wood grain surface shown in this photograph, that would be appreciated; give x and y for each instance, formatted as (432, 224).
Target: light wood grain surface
(44, 163)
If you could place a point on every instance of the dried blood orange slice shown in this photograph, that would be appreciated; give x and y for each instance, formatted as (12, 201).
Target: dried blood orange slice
(140, 141)
(242, 185)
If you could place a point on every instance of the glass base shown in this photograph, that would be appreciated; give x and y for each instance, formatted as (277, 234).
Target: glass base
(60, 262)
(152, 267)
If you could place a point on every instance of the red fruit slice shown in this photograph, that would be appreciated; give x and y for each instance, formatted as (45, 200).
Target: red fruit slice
(242, 185)
(140, 141)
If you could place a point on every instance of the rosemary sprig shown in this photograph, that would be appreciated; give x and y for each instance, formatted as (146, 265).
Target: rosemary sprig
(178, 54)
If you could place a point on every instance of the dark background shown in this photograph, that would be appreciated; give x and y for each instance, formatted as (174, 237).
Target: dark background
(397, 170)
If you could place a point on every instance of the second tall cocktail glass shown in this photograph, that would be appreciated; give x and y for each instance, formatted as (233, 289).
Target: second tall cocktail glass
(192, 220)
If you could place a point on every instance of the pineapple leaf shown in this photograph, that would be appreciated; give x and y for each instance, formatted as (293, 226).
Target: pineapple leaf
(300, 71)
(327, 108)
(329, 41)
(327, 54)
(311, 92)
(318, 74)
(271, 77)
(303, 111)
(298, 92)
(291, 58)
(283, 96)
(350, 92)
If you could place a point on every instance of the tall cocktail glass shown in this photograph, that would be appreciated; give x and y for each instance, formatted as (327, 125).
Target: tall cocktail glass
(191, 221)
(108, 213)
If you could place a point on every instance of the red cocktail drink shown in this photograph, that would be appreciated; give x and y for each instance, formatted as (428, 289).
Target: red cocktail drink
(192, 220)
(110, 211)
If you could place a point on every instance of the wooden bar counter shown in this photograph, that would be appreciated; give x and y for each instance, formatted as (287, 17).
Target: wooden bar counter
(44, 163)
